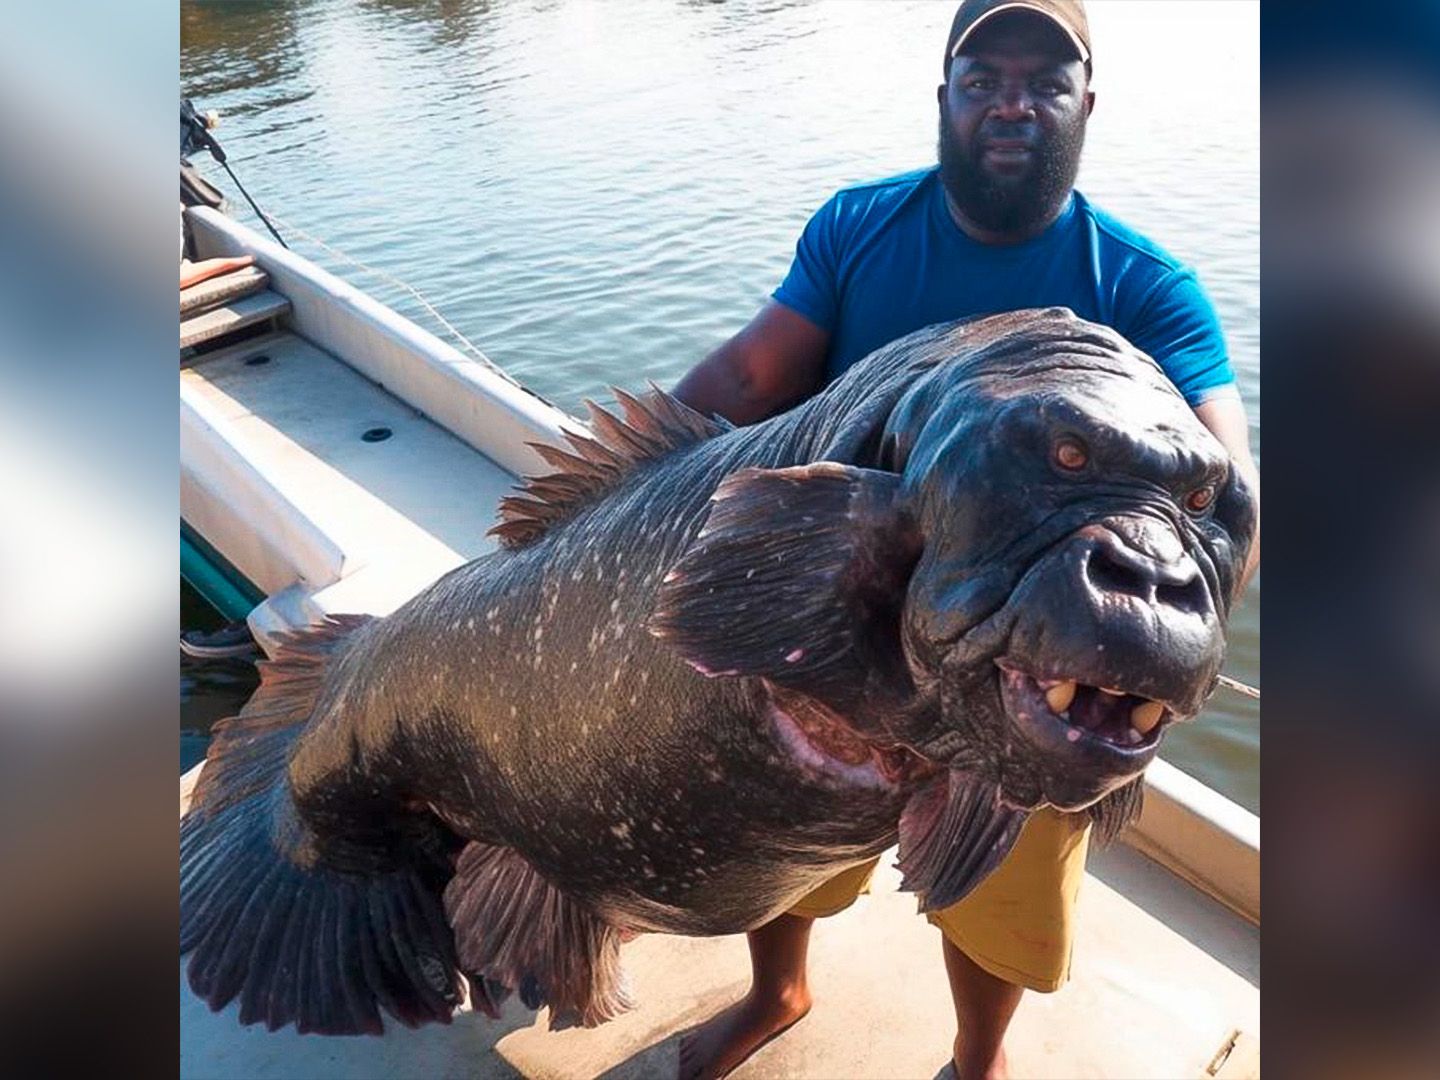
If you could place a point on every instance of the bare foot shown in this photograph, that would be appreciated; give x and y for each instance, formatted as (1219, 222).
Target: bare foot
(995, 1068)
(720, 1044)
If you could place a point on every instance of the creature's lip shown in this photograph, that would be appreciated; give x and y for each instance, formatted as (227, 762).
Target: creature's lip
(1061, 714)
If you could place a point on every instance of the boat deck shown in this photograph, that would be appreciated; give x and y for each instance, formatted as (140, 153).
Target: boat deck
(1163, 981)
(285, 476)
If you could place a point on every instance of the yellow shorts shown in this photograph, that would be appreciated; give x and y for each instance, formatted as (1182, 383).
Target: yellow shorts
(1019, 923)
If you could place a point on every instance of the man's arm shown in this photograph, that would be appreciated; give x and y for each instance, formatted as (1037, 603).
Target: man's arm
(776, 361)
(1225, 417)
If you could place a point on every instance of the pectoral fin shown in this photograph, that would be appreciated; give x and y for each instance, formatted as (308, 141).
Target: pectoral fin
(953, 833)
(797, 576)
(515, 932)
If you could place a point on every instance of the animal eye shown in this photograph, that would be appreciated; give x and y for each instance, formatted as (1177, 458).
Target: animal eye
(1199, 500)
(1071, 454)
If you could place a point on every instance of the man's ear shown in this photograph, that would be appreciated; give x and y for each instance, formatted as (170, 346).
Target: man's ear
(940, 94)
(1089, 103)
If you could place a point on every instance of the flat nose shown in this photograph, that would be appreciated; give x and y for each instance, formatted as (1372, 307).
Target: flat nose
(1156, 573)
(1014, 105)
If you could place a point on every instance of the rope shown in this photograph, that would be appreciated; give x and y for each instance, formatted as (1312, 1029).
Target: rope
(426, 304)
(1239, 687)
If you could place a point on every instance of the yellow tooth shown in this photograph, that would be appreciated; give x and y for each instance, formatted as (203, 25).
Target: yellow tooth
(1143, 718)
(1059, 696)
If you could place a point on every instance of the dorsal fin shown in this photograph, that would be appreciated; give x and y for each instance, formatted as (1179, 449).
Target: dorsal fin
(652, 426)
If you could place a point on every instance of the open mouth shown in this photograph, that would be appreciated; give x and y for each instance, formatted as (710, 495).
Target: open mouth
(1056, 711)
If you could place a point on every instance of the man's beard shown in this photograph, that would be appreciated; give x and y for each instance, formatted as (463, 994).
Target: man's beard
(1010, 204)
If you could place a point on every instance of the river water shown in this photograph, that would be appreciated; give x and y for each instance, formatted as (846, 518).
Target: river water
(600, 193)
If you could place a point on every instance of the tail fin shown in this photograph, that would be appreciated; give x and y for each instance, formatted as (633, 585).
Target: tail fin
(268, 919)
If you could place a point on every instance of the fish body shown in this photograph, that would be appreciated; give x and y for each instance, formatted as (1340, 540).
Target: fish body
(713, 667)
(525, 702)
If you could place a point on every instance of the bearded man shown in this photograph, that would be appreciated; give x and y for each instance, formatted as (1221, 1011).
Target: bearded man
(995, 227)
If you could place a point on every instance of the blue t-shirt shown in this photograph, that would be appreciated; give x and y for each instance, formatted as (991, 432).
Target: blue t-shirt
(881, 260)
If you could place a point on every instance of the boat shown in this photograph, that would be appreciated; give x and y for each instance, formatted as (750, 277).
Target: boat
(336, 457)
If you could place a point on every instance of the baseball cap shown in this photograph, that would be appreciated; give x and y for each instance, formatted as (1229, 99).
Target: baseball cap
(1068, 15)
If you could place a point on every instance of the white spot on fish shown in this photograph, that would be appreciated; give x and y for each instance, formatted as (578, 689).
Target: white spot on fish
(1073, 735)
(622, 830)
(470, 623)
(703, 670)
(794, 656)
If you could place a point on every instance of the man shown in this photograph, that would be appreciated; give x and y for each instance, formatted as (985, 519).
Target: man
(997, 226)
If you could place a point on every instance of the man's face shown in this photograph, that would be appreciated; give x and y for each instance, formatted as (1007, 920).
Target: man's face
(1012, 124)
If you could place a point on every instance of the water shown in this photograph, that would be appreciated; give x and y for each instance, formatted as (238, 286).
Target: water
(600, 193)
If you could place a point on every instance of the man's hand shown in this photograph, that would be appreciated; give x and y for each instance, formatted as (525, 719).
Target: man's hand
(775, 362)
(1225, 417)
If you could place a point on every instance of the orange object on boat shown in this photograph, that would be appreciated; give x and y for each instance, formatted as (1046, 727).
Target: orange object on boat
(192, 273)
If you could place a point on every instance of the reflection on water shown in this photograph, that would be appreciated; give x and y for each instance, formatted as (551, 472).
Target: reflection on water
(599, 193)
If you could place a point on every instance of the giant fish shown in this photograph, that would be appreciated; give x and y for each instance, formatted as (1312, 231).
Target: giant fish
(710, 667)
